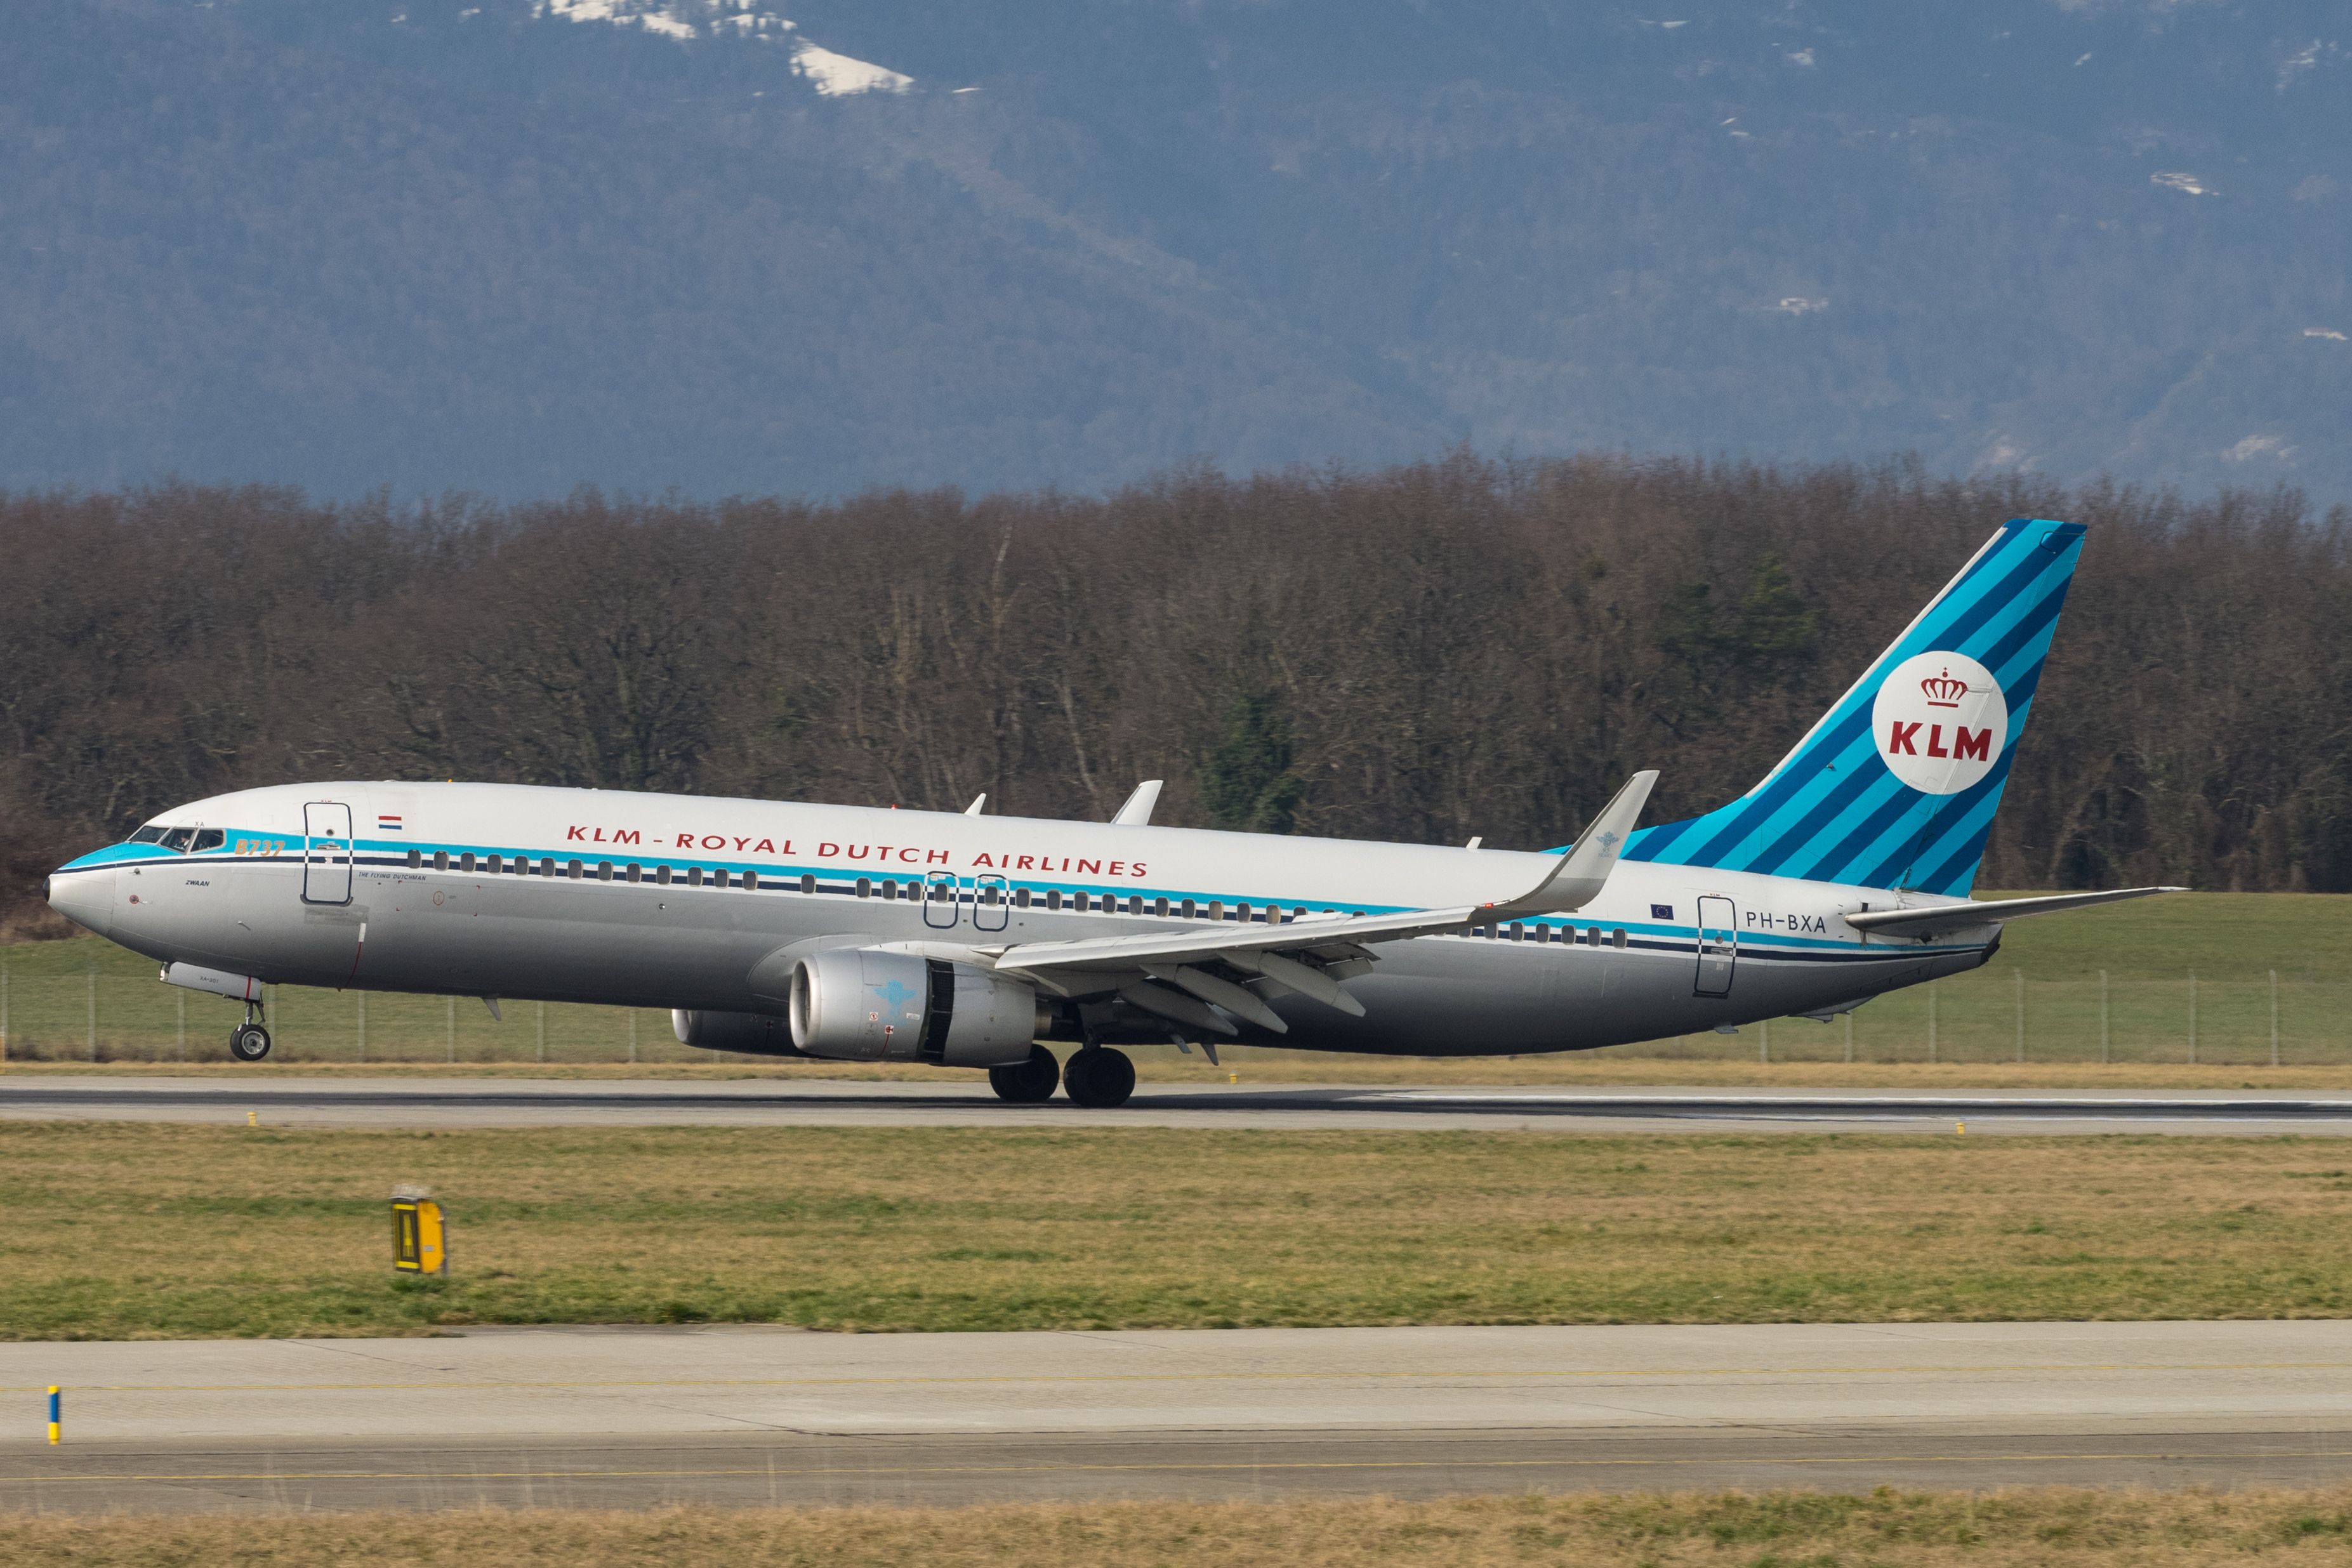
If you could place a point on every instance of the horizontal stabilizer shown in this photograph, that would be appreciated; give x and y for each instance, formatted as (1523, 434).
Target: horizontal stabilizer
(1967, 916)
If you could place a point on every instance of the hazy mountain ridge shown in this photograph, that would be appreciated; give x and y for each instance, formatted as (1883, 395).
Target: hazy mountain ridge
(515, 244)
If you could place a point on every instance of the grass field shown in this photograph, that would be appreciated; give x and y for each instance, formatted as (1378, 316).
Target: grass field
(120, 1231)
(2057, 1527)
(85, 1000)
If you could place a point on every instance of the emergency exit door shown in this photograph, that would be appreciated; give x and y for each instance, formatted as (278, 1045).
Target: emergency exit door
(327, 853)
(942, 904)
(1719, 946)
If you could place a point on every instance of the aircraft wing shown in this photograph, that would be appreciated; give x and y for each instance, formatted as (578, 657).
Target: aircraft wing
(1964, 916)
(1570, 884)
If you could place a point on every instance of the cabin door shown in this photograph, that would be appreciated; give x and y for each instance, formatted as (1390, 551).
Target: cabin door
(1719, 946)
(327, 853)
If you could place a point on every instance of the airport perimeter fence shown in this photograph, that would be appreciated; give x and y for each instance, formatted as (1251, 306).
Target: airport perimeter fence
(1999, 1014)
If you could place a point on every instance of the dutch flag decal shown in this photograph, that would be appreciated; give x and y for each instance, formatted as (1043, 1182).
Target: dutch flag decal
(386, 824)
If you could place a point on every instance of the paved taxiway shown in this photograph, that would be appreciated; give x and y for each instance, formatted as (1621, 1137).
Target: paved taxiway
(747, 1416)
(476, 1102)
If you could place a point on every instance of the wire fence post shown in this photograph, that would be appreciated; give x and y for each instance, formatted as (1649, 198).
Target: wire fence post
(2103, 1018)
(2274, 1018)
(363, 1025)
(2021, 1013)
(542, 1031)
(2192, 1018)
(93, 1015)
(1848, 1037)
(180, 1024)
(4, 1012)
(452, 1022)
(1931, 1022)
(633, 1037)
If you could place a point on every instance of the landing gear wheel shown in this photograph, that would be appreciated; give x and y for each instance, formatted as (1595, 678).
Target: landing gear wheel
(1029, 1082)
(1099, 1078)
(248, 1042)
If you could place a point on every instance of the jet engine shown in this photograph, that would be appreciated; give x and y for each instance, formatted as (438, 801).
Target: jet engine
(866, 1004)
(756, 1034)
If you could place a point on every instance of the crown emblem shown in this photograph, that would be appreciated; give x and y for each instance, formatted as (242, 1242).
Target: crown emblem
(1945, 690)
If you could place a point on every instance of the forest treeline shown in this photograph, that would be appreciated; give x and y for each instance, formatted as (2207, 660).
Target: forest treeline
(1422, 652)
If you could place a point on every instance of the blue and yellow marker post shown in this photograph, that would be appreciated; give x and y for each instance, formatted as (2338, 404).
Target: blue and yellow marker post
(56, 1415)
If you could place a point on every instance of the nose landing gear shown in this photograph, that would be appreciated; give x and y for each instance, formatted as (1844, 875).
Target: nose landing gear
(249, 1042)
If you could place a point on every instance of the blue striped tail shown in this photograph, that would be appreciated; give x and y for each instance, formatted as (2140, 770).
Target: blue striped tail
(1898, 784)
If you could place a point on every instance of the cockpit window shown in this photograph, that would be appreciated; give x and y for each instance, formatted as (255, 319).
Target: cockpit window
(209, 839)
(176, 838)
(149, 836)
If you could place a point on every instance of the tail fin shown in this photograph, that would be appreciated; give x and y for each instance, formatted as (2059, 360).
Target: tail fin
(1896, 785)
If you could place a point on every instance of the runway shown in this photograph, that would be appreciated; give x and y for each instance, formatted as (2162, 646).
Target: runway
(474, 1101)
(748, 1415)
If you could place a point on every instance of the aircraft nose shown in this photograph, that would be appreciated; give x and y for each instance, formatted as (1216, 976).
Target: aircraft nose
(84, 897)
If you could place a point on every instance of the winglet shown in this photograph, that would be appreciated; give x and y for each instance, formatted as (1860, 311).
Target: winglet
(977, 802)
(1582, 872)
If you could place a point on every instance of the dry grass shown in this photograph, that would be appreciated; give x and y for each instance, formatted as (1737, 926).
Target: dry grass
(118, 1231)
(2057, 1527)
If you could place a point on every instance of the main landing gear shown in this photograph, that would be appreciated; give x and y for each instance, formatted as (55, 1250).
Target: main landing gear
(1099, 1078)
(249, 1042)
(1029, 1082)
(1096, 1078)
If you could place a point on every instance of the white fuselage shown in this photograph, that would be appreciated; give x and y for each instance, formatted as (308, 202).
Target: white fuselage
(606, 897)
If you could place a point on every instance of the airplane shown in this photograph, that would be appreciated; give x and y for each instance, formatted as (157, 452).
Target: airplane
(855, 933)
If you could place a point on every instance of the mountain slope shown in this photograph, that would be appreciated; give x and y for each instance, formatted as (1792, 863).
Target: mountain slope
(515, 244)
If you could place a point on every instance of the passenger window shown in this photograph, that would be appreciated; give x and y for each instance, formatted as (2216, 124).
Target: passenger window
(148, 836)
(1519, 932)
(1021, 898)
(718, 877)
(603, 871)
(750, 881)
(1053, 898)
(1188, 913)
(694, 876)
(808, 883)
(1160, 907)
(574, 870)
(466, 860)
(1242, 913)
(661, 875)
(210, 838)
(416, 859)
(440, 859)
(494, 865)
(547, 866)
(1618, 937)
(1216, 909)
(864, 887)
(636, 872)
(889, 890)
(1082, 904)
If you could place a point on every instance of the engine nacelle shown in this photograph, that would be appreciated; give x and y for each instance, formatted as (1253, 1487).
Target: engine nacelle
(754, 1034)
(864, 1004)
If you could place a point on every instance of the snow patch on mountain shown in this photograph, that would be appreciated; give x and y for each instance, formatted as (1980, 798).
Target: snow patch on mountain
(833, 75)
(838, 76)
